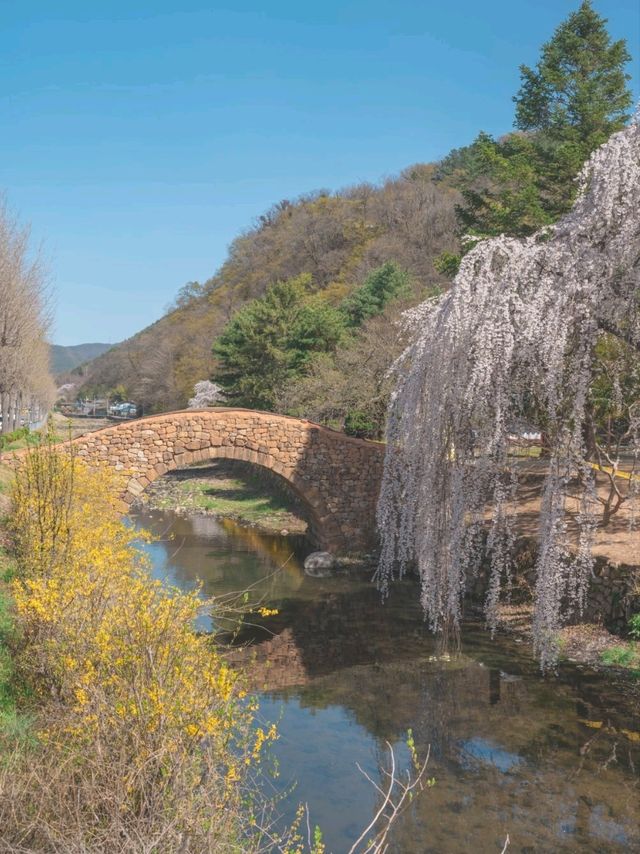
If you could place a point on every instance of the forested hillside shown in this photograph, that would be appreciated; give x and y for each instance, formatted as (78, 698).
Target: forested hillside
(301, 317)
(335, 238)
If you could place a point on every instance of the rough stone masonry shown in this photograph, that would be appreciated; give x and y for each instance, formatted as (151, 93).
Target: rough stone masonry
(337, 477)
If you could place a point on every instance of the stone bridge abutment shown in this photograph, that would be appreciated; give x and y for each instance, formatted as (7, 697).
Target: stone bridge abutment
(336, 477)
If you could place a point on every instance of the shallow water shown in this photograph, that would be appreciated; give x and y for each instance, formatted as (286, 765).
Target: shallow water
(554, 763)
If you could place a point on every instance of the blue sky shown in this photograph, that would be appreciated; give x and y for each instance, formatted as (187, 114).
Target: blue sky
(139, 138)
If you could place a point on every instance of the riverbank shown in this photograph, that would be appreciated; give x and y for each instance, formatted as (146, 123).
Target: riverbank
(584, 645)
(227, 490)
(224, 489)
(5, 480)
(68, 427)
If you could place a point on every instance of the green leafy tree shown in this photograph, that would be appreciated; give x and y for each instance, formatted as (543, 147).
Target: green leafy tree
(270, 341)
(384, 284)
(349, 389)
(317, 328)
(118, 394)
(361, 425)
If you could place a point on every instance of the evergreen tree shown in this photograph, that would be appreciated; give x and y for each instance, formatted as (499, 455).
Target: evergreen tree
(503, 195)
(570, 104)
(578, 90)
(384, 284)
(270, 341)
(574, 99)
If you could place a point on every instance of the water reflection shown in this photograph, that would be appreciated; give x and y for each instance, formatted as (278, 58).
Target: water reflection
(222, 557)
(552, 762)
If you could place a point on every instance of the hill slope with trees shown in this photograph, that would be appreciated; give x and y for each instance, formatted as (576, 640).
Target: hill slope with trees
(301, 317)
(335, 240)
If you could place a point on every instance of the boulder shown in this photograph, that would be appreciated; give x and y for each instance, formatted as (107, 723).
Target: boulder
(319, 563)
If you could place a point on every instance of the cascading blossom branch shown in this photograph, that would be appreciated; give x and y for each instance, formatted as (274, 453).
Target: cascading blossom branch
(513, 338)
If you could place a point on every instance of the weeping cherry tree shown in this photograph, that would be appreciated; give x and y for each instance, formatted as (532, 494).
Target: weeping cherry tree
(516, 337)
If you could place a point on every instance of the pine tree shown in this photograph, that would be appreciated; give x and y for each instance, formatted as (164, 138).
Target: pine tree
(568, 106)
(382, 285)
(270, 340)
(573, 100)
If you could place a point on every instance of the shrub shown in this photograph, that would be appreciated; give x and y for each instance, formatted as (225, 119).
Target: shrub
(634, 626)
(360, 425)
(143, 730)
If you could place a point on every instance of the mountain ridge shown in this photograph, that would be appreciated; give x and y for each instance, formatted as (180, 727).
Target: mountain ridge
(66, 358)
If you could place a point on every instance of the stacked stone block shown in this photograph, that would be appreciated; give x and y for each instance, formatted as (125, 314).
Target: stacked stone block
(336, 477)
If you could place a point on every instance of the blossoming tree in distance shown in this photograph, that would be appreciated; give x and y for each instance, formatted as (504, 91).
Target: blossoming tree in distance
(521, 337)
(205, 393)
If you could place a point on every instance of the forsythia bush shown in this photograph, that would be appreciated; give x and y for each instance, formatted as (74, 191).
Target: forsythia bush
(146, 740)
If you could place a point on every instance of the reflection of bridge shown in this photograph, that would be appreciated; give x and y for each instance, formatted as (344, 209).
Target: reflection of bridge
(336, 477)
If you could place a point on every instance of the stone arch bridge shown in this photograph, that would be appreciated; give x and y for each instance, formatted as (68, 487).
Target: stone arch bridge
(336, 477)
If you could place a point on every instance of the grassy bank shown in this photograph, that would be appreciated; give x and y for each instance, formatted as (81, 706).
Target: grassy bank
(19, 439)
(13, 723)
(5, 479)
(228, 490)
(584, 644)
(7, 700)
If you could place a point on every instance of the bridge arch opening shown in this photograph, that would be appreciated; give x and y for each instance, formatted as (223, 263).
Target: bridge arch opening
(276, 480)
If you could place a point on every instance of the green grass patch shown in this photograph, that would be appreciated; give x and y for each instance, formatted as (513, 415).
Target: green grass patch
(9, 718)
(239, 497)
(623, 656)
(14, 723)
(26, 438)
(18, 439)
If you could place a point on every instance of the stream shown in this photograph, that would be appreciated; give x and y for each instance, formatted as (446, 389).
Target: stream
(552, 762)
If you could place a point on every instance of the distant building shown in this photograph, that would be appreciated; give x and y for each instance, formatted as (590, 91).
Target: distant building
(123, 410)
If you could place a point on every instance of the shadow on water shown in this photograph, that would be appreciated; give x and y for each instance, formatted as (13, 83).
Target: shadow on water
(553, 762)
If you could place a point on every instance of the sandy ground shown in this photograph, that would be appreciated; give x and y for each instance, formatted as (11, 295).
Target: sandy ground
(617, 542)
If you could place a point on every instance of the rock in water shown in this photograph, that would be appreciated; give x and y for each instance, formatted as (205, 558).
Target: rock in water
(319, 564)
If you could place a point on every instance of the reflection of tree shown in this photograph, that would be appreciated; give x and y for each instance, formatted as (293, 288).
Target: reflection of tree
(285, 552)
(224, 556)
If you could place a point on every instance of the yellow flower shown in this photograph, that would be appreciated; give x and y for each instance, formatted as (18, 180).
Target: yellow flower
(81, 696)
